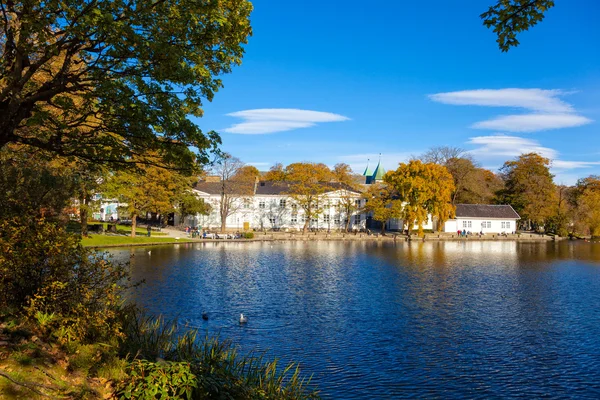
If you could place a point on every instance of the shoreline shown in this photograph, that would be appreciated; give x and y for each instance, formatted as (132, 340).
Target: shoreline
(529, 238)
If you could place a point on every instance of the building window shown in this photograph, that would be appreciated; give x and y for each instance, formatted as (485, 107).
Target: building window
(261, 204)
(357, 203)
(294, 219)
(357, 219)
(272, 220)
(246, 204)
(336, 221)
(467, 224)
(314, 220)
(489, 224)
(486, 224)
(282, 203)
(326, 218)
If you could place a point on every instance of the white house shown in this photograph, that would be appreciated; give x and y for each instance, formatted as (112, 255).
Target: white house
(270, 206)
(483, 218)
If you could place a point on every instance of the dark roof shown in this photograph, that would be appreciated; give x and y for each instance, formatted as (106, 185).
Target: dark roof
(208, 187)
(283, 187)
(485, 211)
(267, 187)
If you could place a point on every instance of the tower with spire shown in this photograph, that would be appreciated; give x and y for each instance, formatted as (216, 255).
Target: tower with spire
(376, 176)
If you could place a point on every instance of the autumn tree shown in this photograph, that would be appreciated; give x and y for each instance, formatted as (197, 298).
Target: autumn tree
(509, 17)
(308, 183)
(383, 204)
(33, 183)
(137, 68)
(276, 173)
(146, 189)
(423, 189)
(343, 173)
(586, 199)
(529, 188)
(236, 184)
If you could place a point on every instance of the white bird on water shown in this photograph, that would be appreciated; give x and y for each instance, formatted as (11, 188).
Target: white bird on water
(149, 252)
(243, 319)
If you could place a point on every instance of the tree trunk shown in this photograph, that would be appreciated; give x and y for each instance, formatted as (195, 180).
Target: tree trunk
(223, 223)
(383, 228)
(306, 222)
(133, 224)
(83, 216)
(348, 223)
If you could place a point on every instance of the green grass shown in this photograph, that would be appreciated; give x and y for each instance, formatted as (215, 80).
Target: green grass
(74, 226)
(105, 240)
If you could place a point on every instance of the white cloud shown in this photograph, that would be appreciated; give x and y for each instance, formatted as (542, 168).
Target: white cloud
(531, 99)
(548, 111)
(532, 122)
(507, 146)
(499, 148)
(562, 164)
(271, 120)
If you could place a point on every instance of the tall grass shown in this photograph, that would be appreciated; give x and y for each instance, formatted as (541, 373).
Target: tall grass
(221, 371)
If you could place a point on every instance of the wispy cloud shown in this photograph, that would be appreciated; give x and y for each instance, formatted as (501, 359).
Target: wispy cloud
(501, 147)
(532, 122)
(547, 110)
(271, 120)
(507, 146)
(531, 99)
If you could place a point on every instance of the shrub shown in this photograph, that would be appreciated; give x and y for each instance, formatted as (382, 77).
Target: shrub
(162, 380)
(46, 272)
(248, 235)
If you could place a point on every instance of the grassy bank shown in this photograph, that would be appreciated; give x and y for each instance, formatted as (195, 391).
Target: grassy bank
(74, 226)
(107, 240)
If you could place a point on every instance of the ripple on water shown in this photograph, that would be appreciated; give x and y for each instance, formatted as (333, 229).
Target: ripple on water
(445, 320)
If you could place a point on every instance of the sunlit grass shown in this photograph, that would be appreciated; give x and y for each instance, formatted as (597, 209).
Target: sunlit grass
(107, 240)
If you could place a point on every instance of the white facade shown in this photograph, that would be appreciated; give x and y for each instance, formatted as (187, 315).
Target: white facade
(280, 212)
(481, 225)
(483, 218)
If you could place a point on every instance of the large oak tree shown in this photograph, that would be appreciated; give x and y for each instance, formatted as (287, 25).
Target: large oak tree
(114, 79)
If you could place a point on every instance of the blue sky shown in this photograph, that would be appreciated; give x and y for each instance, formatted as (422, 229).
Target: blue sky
(397, 77)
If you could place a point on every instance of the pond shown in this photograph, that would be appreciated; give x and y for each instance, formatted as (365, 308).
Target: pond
(385, 320)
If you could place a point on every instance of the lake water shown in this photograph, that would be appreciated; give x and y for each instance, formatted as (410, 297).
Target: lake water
(384, 320)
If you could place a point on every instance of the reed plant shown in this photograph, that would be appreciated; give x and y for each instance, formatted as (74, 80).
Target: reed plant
(220, 370)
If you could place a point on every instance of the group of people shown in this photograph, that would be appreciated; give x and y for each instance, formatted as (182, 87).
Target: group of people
(198, 232)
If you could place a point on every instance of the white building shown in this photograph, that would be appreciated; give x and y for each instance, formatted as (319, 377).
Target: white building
(483, 218)
(270, 207)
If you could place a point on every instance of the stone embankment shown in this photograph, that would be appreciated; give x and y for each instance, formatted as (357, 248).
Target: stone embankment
(389, 236)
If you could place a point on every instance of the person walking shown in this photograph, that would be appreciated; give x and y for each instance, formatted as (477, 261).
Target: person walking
(149, 229)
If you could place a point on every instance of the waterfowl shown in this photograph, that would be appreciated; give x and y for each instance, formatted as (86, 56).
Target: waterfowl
(205, 316)
(243, 319)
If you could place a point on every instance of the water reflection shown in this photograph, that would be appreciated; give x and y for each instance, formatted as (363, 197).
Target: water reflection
(433, 319)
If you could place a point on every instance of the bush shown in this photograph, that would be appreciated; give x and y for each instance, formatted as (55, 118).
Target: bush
(163, 380)
(248, 235)
(65, 288)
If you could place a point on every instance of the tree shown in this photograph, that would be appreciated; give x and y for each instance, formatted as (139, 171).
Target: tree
(188, 204)
(276, 173)
(424, 189)
(236, 184)
(442, 154)
(343, 173)
(308, 183)
(529, 188)
(510, 17)
(383, 204)
(33, 183)
(145, 189)
(586, 199)
(113, 78)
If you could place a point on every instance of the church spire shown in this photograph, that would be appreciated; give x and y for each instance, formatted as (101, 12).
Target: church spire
(368, 171)
(379, 172)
